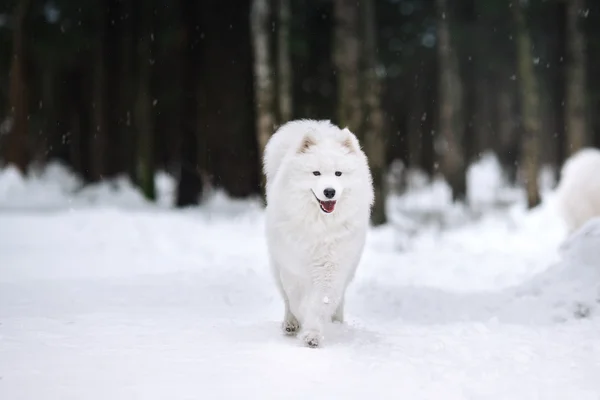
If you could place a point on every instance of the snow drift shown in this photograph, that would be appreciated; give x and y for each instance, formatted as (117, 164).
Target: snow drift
(108, 298)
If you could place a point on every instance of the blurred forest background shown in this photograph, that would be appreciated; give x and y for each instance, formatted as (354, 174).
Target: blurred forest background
(112, 87)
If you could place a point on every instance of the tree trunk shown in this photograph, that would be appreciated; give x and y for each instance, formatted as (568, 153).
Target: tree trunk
(123, 91)
(80, 118)
(451, 129)
(576, 90)
(189, 187)
(144, 118)
(17, 142)
(315, 91)
(530, 108)
(416, 114)
(373, 129)
(484, 105)
(284, 66)
(508, 142)
(98, 140)
(260, 18)
(233, 159)
(559, 75)
(52, 128)
(346, 62)
(431, 110)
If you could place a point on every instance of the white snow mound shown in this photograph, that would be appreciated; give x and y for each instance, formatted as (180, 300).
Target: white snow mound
(102, 302)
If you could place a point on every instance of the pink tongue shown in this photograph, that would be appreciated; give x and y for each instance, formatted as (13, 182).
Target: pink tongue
(328, 205)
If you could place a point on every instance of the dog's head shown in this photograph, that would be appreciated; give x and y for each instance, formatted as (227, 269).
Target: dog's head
(331, 168)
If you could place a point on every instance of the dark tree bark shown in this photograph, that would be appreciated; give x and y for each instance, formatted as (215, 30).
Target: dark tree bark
(474, 141)
(106, 140)
(428, 157)
(530, 107)
(451, 128)
(79, 118)
(346, 60)
(508, 137)
(315, 79)
(123, 90)
(230, 126)
(52, 125)
(98, 134)
(284, 62)
(190, 185)
(17, 150)
(560, 93)
(576, 88)
(260, 17)
(416, 115)
(374, 134)
(144, 114)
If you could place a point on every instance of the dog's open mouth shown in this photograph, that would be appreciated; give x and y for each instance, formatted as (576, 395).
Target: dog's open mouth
(327, 206)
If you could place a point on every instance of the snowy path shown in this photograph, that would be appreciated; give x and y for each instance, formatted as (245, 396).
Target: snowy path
(109, 304)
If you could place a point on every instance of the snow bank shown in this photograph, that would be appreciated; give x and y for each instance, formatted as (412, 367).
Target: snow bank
(56, 187)
(426, 207)
(486, 187)
(571, 288)
(420, 206)
(50, 187)
(485, 181)
(101, 303)
(490, 271)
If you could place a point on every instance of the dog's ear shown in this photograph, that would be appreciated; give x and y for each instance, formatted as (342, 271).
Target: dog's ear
(307, 143)
(348, 143)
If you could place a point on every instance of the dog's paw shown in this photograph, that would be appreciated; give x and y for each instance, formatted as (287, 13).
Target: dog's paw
(290, 326)
(312, 338)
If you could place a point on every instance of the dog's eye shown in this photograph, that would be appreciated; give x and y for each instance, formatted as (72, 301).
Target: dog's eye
(316, 173)
(338, 173)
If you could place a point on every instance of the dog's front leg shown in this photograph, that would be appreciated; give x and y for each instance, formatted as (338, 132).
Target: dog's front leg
(321, 305)
(321, 302)
(290, 323)
(338, 316)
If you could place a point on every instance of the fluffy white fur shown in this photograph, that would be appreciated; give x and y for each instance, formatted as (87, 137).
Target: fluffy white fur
(578, 192)
(314, 254)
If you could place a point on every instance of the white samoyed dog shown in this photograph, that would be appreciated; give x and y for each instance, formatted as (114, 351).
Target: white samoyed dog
(578, 192)
(319, 196)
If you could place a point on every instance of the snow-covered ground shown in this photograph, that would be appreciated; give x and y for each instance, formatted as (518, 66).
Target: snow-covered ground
(103, 296)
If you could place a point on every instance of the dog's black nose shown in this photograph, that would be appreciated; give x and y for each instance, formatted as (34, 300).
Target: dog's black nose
(329, 193)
